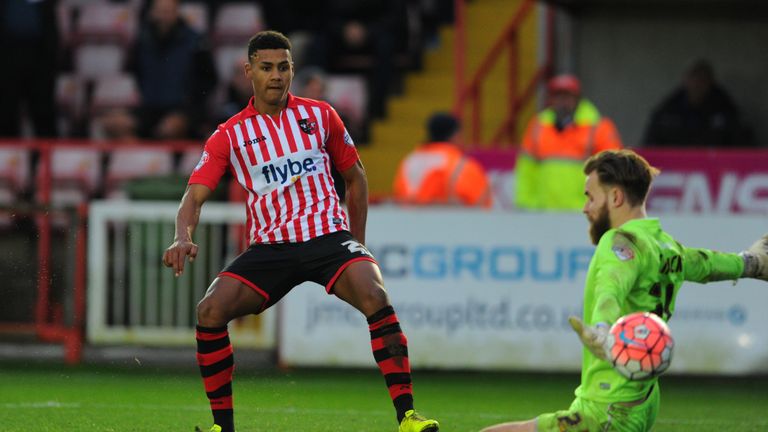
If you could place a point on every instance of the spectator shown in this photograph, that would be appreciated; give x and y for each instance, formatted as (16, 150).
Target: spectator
(557, 141)
(29, 45)
(365, 36)
(697, 113)
(438, 172)
(175, 72)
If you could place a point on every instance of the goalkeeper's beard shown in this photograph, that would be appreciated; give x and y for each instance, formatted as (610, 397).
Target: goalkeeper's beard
(600, 225)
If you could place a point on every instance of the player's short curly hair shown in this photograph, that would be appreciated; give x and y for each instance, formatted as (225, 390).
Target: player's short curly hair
(268, 39)
(626, 169)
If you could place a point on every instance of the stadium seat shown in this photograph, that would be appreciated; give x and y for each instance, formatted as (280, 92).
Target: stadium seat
(225, 58)
(348, 94)
(115, 91)
(236, 22)
(14, 173)
(65, 20)
(188, 161)
(75, 175)
(94, 61)
(127, 163)
(101, 22)
(70, 100)
(196, 15)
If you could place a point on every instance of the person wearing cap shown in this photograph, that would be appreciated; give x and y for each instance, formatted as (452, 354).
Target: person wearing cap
(439, 173)
(557, 141)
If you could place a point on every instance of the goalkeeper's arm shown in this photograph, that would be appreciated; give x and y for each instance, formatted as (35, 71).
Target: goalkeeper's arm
(704, 265)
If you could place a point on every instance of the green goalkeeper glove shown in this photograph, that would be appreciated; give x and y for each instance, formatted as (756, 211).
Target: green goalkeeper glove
(595, 338)
(756, 260)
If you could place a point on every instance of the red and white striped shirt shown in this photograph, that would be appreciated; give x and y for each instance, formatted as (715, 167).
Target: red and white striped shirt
(283, 163)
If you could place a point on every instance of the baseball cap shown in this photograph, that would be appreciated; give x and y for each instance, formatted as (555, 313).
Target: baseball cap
(564, 83)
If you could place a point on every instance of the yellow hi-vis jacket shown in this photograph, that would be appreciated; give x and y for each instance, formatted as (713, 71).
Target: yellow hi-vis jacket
(549, 169)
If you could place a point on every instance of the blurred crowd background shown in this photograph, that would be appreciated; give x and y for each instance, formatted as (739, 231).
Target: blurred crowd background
(171, 69)
(672, 74)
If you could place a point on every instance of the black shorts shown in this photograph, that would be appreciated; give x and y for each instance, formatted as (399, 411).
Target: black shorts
(273, 270)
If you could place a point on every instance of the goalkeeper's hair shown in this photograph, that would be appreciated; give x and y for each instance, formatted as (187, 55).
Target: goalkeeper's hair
(625, 169)
(268, 39)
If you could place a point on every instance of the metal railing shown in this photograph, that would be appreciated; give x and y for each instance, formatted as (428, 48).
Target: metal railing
(470, 92)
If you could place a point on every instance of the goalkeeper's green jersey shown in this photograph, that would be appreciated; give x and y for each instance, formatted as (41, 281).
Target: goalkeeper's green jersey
(639, 267)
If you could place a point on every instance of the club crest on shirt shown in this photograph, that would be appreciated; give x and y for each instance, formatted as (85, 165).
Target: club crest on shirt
(203, 159)
(308, 126)
(623, 253)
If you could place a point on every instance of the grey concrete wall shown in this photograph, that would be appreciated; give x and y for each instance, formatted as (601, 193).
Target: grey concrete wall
(630, 58)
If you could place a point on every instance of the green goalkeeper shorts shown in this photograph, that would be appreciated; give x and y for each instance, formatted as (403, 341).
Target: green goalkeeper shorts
(589, 416)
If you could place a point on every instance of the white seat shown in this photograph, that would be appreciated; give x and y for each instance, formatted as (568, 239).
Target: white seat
(70, 100)
(75, 174)
(226, 58)
(348, 95)
(196, 15)
(128, 163)
(115, 91)
(189, 160)
(70, 94)
(103, 21)
(94, 61)
(14, 173)
(64, 19)
(236, 22)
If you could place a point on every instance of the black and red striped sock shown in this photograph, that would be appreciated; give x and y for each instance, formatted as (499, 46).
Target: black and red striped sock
(214, 355)
(390, 349)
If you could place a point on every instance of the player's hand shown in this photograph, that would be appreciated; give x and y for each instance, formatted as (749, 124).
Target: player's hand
(756, 260)
(177, 253)
(595, 338)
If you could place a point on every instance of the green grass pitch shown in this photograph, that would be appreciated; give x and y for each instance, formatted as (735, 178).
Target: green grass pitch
(57, 398)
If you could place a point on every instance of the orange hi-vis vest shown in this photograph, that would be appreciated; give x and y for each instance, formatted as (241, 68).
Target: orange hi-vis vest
(440, 174)
(548, 171)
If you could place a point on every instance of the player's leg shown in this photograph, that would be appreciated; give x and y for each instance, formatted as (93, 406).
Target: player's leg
(638, 416)
(226, 299)
(524, 426)
(581, 416)
(361, 285)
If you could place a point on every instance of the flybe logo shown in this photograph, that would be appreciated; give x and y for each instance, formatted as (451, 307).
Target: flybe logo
(287, 171)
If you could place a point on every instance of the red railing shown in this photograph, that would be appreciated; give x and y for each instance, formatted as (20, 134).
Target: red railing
(471, 92)
(49, 322)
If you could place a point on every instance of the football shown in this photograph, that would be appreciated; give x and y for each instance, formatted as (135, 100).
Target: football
(640, 346)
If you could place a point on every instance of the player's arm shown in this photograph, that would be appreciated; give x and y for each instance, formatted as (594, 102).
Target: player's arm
(357, 199)
(187, 219)
(342, 150)
(617, 259)
(203, 181)
(704, 265)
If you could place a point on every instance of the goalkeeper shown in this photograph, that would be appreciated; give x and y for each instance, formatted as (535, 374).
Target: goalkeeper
(636, 267)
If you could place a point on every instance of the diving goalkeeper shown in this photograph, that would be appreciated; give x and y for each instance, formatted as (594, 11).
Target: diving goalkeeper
(636, 267)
